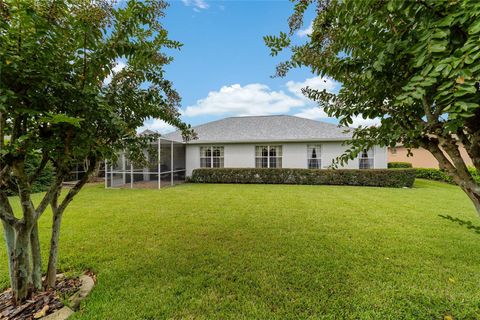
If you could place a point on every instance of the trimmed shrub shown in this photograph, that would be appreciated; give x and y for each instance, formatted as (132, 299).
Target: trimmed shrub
(398, 165)
(353, 177)
(440, 175)
(433, 174)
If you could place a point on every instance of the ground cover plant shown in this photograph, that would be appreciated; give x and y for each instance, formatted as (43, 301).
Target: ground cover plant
(273, 252)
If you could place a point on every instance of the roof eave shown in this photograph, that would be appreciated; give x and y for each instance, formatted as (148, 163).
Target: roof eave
(267, 141)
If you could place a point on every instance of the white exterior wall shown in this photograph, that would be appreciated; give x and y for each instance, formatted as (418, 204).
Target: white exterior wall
(242, 155)
(380, 157)
(192, 161)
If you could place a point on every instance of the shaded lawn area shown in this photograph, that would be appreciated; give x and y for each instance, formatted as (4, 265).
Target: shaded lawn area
(273, 251)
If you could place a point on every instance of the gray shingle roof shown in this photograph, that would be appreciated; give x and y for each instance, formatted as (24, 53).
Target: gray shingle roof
(146, 132)
(264, 129)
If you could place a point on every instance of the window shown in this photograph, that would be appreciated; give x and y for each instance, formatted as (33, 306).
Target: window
(394, 150)
(314, 156)
(366, 159)
(211, 157)
(268, 156)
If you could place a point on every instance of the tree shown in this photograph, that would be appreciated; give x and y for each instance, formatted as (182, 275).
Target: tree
(61, 102)
(414, 65)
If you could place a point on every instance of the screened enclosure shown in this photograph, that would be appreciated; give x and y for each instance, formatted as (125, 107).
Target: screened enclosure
(79, 170)
(165, 167)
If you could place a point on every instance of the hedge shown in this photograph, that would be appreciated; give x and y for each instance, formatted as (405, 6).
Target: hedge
(433, 174)
(398, 165)
(440, 175)
(373, 177)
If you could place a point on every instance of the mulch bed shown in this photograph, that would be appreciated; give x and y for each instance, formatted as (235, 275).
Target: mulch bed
(41, 304)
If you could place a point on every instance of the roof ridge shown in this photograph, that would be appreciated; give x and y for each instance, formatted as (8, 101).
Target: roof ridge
(263, 115)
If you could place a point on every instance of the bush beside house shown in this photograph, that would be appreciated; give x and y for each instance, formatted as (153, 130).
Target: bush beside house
(374, 178)
(399, 165)
(440, 175)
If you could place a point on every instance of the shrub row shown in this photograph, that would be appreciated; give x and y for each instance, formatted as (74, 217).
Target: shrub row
(397, 165)
(433, 174)
(440, 175)
(374, 177)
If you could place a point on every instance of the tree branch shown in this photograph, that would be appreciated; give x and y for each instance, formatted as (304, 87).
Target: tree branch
(6, 211)
(3, 172)
(40, 168)
(52, 191)
(24, 193)
(78, 186)
(428, 112)
(451, 148)
(432, 145)
(472, 146)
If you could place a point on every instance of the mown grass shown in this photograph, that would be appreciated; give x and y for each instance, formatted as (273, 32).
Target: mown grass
(273, 252)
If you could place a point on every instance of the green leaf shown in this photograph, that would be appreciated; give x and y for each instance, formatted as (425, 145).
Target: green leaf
(467, 105)
(439, 34)
(445, 86)
(446, 71)
(475, 27)
(446, 22)
(419, 61)
(464, 90)
(440, 67)
(427, 69)
(61, 118)
(437, 47)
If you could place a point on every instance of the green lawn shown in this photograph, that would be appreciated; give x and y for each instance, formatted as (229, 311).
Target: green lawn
(273, 251)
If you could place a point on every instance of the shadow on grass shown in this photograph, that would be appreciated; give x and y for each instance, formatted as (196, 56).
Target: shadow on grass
(467, 224)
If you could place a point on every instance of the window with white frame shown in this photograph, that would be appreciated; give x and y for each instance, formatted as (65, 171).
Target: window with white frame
(366, 159)
(211, 157)
(268, 156)
(314, 156)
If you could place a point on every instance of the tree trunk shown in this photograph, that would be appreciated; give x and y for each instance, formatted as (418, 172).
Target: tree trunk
(21, 264)
(455, 167)
(9, 234)
(53, 255)
(473, 192)
(36, 258)
(94, 175)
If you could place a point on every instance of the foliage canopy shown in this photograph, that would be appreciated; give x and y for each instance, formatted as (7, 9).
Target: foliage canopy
(64, 99)
(414, 65)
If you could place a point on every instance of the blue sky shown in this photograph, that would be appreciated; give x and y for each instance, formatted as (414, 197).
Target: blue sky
(224, 68)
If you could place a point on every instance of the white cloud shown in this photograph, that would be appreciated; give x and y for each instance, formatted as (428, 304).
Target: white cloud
(196, 4)
(314, 113)
(251, 99)
(361, 121)
(157, 125)
(119, 67)
(318, 83)
(317, 113)
(307, 31)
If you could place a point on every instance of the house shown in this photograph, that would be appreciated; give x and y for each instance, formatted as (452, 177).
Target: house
(420, 158)
(279, 141)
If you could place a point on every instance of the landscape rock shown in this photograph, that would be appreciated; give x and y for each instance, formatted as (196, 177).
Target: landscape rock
(82, 293)
(61, 314)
